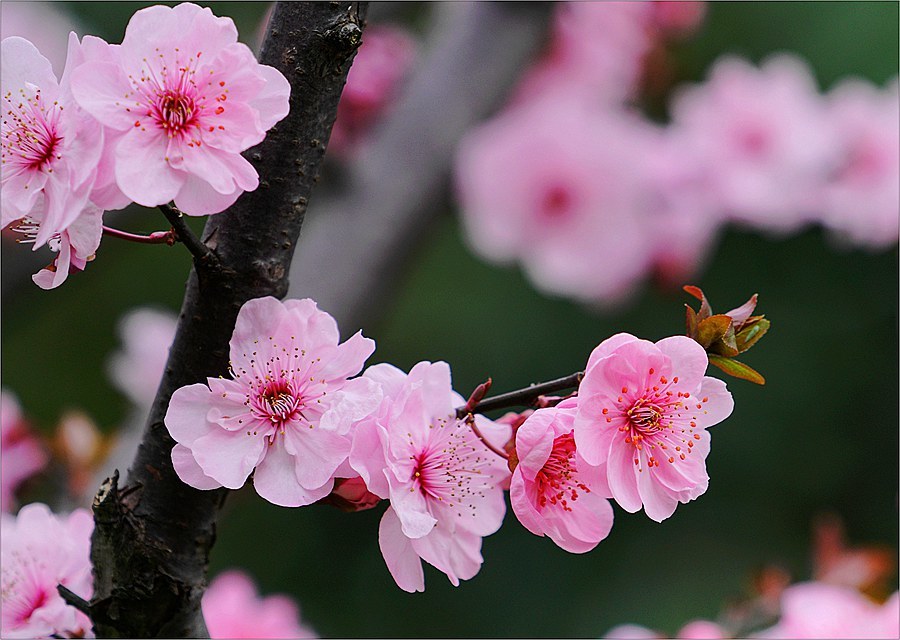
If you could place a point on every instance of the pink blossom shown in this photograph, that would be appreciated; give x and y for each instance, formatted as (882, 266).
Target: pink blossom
(75, 246)
(553, 492)
(442, 481)
(643, 411)
(286, 412)
(182, 99)
(136, 370)
(862, 198)
(232, 609)
(41, 550)
(21, 455)
(678, 18)
(819, 610)
(383, 61)
(50, 147)
(764, 134)
(572, 205)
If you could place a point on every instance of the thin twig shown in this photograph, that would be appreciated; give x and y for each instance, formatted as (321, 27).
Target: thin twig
(157, 237)
(524, 397)
(74, 599)
(184, 234)
(470, 420)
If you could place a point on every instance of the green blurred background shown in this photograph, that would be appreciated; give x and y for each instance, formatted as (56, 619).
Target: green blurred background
(822, 435)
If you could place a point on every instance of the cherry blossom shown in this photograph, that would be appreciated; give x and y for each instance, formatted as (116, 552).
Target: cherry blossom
(553, 492)
(50, 148)
(137, 369)
(819, 610)
(764, 134)
(694, 630)
(21, 455)
(45, 24)
(233, 609)
(572, 205)
(643, 410)
(286, 411)
(182, 99)
(861, 201)
(381, 64)
(442, 481)
(41, 550)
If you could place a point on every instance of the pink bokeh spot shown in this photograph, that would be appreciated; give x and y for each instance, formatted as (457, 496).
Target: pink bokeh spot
(41, 550)
(643, 410)
(286, 412)
(232, 608)
(21, 454)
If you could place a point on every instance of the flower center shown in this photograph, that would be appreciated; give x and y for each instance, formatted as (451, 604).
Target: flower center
(30, 131)
(644, 417)
(557, 483)
(174, 111)
(279, 404)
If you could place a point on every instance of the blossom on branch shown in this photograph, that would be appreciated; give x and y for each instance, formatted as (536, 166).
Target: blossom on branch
(41, 550)
(443, 483)
(643, 410)
(286, 412)
(553, 492)
(182, 99)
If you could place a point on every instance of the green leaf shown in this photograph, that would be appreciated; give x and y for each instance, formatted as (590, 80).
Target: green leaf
(736, 369)
(726, 345)
(712, 329)
(750, 335)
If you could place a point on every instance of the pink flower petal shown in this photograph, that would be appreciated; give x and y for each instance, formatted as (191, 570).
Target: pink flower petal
(189, 471)
(275, 480)
(186, 416)
(142, 172)
(227, 456)
(402, 560)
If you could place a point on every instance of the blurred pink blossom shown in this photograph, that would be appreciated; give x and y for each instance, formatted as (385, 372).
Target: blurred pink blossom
(443, 483)
(643, 411)
(765, 137)
(819, 610)
(233, 609)
(695, 630)
(45, 24)
(862, 198)
(382, 63)
(572, 203)
(138, 367)
(553, 492)
(183, 99)
(41, 550)
(678, 18)
(21, 455)
(287, 411)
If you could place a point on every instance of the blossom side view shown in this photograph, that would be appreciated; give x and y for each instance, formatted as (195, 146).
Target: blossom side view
(643, 410)
(182, 98)
(286, 411)
(443, 483)
(553, 492)
(21, 454)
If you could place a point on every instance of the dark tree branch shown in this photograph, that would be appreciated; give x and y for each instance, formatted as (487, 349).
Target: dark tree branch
(523, 397)
(184, 234)
(354, 247)
(152, 537)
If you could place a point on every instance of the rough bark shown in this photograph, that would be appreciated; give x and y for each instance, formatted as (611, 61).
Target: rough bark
(153, 534)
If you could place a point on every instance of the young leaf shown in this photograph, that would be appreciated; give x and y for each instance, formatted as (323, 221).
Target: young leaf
(736, 369)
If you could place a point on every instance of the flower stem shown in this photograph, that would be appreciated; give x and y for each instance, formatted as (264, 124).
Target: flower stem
(157, 237)
(470, 420)
(184, 234)
(526, 397)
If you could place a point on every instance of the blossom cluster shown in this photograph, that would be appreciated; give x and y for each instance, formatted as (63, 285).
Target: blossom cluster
(297, 416)
(163, 116)
(595, 195)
